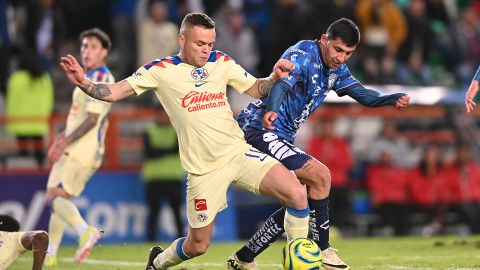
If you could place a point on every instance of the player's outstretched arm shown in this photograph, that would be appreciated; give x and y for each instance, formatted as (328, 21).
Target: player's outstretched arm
(61, 142)
(102, 91)
(37, 241)
(373, 98)
(262, 86)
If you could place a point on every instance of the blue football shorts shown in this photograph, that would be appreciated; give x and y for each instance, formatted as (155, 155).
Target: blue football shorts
(277, 147)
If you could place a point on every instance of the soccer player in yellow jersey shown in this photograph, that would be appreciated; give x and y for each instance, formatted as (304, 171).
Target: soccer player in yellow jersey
(78, 151)
(191, 86)
(14, 243)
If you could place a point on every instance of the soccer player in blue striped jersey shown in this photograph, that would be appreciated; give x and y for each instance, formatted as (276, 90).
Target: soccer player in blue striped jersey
(270, 125)
(472, 92)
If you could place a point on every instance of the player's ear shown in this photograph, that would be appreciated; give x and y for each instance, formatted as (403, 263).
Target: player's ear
(181, 40)
(104, 53)
(323, 39)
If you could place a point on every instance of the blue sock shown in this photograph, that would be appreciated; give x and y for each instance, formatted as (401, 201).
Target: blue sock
(319, 222)
(299, 213)
(179, 249)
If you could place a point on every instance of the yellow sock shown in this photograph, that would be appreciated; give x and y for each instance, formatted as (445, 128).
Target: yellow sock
(296, 223)
(56, 228)
(69, 212)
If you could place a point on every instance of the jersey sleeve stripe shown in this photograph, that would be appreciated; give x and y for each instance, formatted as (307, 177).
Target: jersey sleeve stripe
(100, 76)
(161, 62)
(348, 86)
(215, 55)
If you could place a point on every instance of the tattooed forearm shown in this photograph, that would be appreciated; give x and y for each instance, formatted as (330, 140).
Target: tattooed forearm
(84, 127)
(98, 91)
(264, 86)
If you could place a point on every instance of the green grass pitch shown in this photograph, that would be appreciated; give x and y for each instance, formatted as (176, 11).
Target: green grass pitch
(452, 253)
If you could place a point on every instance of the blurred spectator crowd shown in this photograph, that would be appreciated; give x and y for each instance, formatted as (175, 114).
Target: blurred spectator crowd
(411, 42)
(411, 186)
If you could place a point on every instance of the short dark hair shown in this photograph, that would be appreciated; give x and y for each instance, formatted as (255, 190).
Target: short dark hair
(345, 29)
(30, 62)
(99, 34)
(9, 224)
(197, 19)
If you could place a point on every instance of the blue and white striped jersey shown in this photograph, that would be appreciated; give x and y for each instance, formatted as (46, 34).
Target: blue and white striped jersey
(310, 83)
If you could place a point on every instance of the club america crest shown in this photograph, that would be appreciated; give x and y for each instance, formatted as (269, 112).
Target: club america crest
(202, 217)
(199, 74)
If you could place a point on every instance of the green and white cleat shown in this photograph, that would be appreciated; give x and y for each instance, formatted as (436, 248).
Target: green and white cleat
(86, 242)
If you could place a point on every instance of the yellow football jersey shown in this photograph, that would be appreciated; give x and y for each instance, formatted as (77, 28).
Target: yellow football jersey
(89, 149)
(10, 248)
(195, 99)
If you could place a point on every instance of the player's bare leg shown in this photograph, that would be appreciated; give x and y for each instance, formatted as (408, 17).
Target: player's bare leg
(283, 185)
(317, 177)
(66, 213)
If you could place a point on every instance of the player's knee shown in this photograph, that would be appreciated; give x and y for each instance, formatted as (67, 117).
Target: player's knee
(298, 197)
(53, 193)
(49, 197)
(325, 177)
(321, 177)
(319, 183)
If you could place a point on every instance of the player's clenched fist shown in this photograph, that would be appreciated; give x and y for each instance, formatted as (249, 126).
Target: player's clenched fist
(72, 69)
(57, 149)
(268, 120)
(402, 102)
(282, 68)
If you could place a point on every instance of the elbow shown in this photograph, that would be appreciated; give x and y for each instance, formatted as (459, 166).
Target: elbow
(111, 98)
(41, 236)
(40, 239)
(92, 119)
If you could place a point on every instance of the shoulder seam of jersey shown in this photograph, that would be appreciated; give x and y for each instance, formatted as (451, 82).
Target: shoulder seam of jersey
(174, 60)
(215, 55)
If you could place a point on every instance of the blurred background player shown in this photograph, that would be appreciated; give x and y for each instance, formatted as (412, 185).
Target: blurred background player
(472, 92)
(271, 123)
(157, 36)
(29, 106)
(163, 172)
(14, 243)
(78, 151)
(212, 148)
